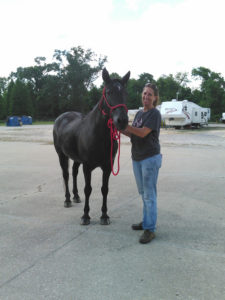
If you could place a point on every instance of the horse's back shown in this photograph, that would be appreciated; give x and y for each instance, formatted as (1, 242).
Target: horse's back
(62, 126)
(66, 118)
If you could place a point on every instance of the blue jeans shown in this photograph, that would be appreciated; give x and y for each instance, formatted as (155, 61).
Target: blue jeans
(146, 174)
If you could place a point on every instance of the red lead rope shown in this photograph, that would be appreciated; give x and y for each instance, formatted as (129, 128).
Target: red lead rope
(115, 135)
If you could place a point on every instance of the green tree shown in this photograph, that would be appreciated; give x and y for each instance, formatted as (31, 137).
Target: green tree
(3, 89)
(79, 69)
(174, 87)
(8, 98)
(3, 85)
(35, 75)
(212, 91)
(94, 95)
(2, 108)
(36, 78)
(168, 87)
(59, 86)
(49, 102)
(145, 78)
(20, 101)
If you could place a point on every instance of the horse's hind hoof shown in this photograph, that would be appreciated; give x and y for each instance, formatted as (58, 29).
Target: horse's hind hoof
(76, 199)
(85, 221)
(104, 221)
(67, 204)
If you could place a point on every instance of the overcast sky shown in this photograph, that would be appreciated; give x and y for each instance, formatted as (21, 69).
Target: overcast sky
(153, 36)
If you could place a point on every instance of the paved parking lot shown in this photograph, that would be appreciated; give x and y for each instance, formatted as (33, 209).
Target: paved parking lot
(46, 254)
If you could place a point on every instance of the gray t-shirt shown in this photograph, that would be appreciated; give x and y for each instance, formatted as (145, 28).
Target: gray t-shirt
(148, 146)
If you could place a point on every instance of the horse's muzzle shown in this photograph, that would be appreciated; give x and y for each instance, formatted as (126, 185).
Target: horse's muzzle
(120, 121)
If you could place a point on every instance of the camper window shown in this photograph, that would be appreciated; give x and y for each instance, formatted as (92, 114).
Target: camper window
(196, 113)
(185, 107)
(202, 115)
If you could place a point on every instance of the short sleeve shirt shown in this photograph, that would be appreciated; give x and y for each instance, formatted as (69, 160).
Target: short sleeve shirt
(148, 146)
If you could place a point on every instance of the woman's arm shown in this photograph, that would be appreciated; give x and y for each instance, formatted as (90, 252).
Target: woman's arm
(141, 132)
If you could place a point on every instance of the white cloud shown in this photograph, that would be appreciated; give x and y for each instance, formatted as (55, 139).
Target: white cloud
(169, 39)
(132, 4)
(165, 38)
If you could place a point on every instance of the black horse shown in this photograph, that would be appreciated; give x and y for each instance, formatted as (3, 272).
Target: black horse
(86, 139)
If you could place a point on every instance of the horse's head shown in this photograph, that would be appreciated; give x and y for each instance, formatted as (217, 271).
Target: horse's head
(115, 98)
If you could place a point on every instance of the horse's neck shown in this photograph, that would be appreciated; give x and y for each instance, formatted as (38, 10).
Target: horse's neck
(98, 115)
(98, 119)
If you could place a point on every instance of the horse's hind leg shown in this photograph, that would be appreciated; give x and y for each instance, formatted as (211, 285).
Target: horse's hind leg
(76, 197)
(64, 163)
(105, 183)
(85, 220)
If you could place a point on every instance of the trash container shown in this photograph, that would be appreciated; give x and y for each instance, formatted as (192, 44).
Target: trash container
(26, 120)
(14, 121)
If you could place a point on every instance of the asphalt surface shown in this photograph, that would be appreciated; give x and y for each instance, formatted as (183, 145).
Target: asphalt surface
(46, 254)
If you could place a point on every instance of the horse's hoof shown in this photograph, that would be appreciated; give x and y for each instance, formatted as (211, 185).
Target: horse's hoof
(104, 221)
(67, 203)
(85, 221)
(76, 199)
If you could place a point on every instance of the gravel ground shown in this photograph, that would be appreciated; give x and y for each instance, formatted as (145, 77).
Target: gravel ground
(46, 254)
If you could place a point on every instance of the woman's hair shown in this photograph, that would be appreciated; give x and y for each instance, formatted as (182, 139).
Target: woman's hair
(156, 92)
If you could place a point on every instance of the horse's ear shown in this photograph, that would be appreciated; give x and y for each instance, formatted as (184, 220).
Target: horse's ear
(105, 76)
(125, 78)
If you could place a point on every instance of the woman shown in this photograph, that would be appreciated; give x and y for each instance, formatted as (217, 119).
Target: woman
(146, 158)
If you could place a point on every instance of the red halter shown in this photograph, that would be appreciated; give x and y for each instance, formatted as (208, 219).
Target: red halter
(109, 106)
(114, 133)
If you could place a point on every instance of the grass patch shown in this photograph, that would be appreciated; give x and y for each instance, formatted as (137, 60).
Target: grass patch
(3, 123)
(43, 123)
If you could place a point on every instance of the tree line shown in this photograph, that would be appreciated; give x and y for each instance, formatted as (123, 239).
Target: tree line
(46, 90)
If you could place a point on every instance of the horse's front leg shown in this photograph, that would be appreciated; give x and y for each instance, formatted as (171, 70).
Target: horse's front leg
(105, 183)
(85, 220)
(76, 197)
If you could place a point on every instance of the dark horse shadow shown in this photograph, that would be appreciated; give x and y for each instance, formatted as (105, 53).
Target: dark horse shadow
(86, 139)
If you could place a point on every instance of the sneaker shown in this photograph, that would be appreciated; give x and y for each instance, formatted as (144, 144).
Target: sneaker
(137, 226)
(146, 237)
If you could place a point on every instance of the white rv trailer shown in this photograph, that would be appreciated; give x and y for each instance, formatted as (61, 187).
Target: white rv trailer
(131, 114)
(184, 114)
(223, 117)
